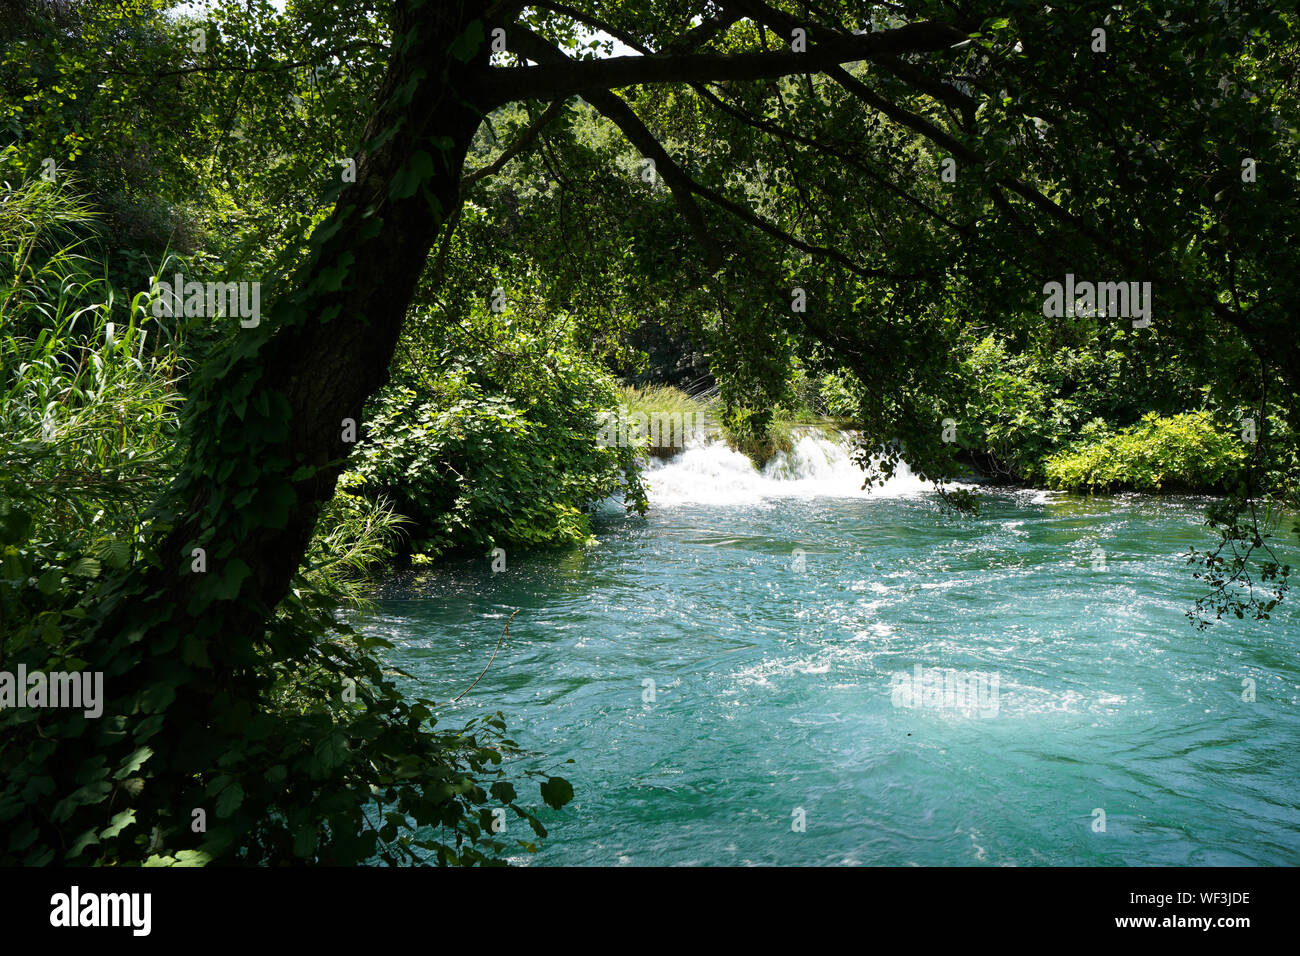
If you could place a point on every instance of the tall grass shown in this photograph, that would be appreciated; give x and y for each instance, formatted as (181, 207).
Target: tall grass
(90, 405)
(665, 398)
(88, 380)
(355, 537)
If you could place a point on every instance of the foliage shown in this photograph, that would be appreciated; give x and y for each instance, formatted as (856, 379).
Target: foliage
(489, 438)
(327, 761)
(839, 390)
(88, 401)
(1186, 452)
(823, 182)
(1244, 573)
(1018, 417)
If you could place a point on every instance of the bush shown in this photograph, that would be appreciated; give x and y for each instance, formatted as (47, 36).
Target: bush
(499, 445)
(1017, 417)
(839, 393)
(1179, 453)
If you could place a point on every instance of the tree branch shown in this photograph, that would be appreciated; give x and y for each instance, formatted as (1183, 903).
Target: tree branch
(591, 20)
(615, 108)
(776, 232)
(699, 35)
(514, 149)
(580, 77)
(785, 24)
(830, 150)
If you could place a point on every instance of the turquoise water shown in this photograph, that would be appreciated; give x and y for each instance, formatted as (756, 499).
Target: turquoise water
(775, 689)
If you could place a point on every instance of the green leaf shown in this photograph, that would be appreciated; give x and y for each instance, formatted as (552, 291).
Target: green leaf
(194, 651)
(556, 791)
(229, 800)
(503, 791)
(304, 842)
(38, 787)
(119, 823)
(411, 176)
(133, 763)
(12, 566)
(467, 44)
(85, 568)
(332, 751)
(233, 577)
(85, 840)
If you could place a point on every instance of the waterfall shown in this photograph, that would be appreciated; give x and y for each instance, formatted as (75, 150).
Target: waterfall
(710, 472)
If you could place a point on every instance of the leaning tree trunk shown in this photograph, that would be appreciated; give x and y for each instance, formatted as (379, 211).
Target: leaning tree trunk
(267, 432)
(264, 426)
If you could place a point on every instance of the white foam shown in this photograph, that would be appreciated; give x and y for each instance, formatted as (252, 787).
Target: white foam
(710, 472)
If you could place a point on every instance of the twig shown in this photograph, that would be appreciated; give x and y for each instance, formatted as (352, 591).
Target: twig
(504, 634)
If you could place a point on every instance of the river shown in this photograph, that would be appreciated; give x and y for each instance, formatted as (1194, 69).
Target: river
(781, 668)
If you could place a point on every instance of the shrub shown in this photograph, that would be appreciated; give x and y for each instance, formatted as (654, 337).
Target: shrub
(1189, 452)
(839, 393)
(498, 445)
(1018, 419)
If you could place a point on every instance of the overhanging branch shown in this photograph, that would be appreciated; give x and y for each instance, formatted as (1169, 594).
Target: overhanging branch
(514, 149)
(616, 109)
(550, 81)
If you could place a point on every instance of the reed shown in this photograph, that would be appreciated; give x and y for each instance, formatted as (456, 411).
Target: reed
(89, 382)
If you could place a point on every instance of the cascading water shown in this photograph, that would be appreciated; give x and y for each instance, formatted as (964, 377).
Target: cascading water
(708, 471)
